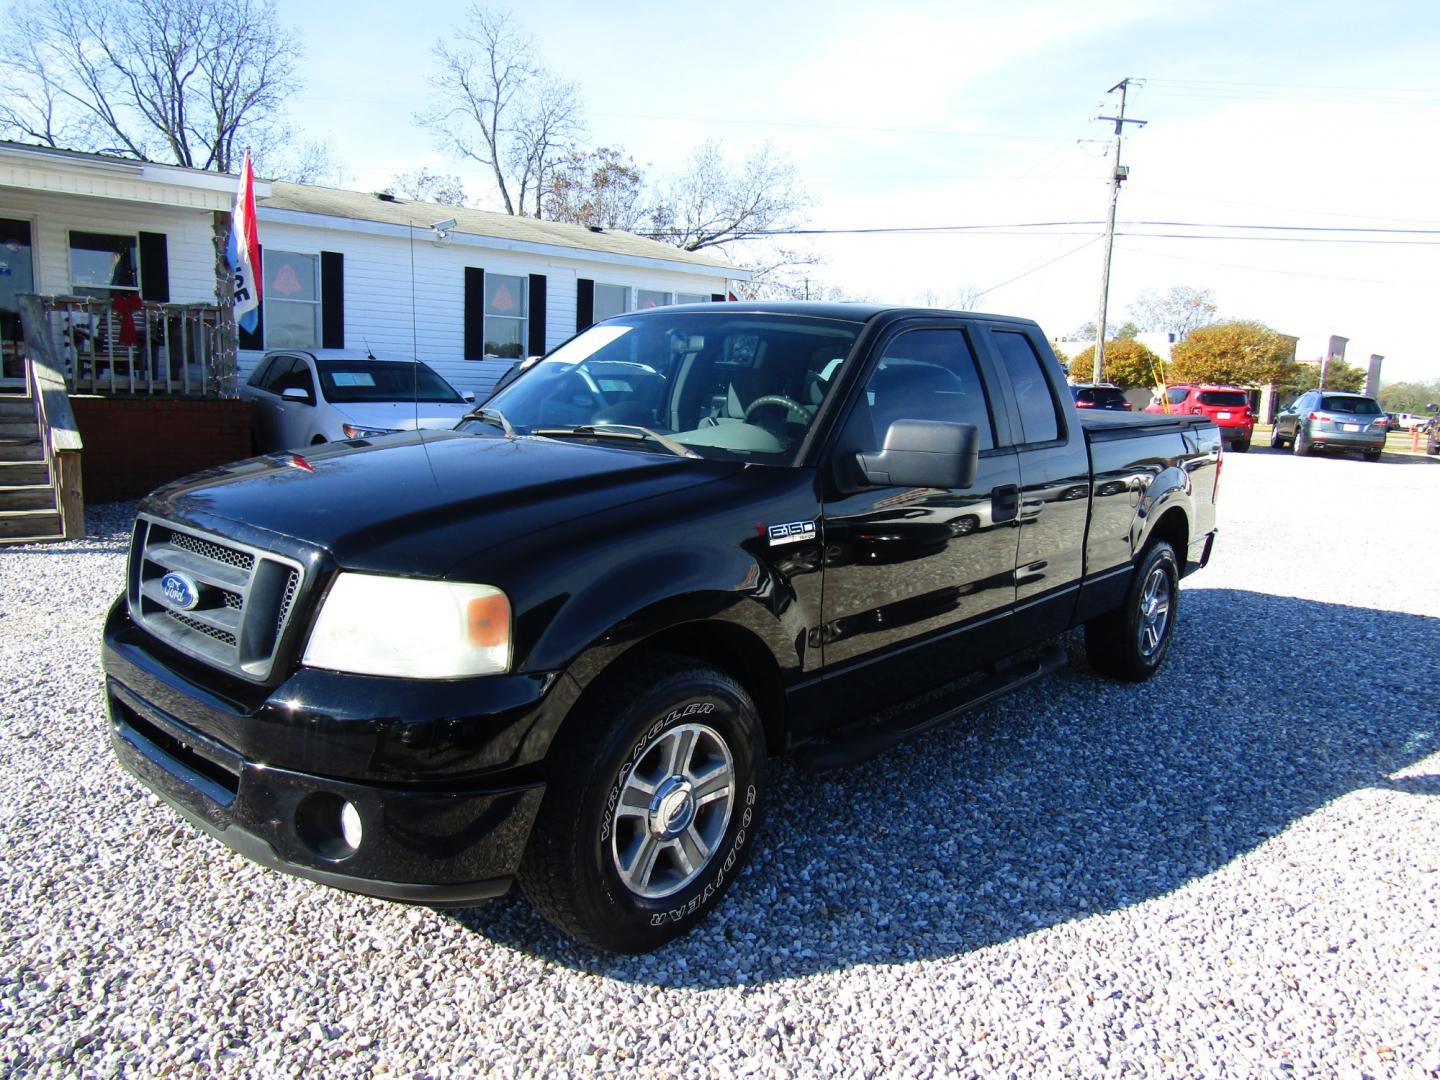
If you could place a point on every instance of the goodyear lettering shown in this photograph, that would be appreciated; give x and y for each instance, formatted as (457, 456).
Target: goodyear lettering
(704, 896)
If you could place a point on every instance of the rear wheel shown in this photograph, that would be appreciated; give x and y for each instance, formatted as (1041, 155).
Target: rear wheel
(1241, 447)
(651, 806)
(1372, 455)
(1130, 642)
(1300, 444)
(1276, 442)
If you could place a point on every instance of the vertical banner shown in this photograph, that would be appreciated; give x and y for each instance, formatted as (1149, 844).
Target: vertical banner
(243, 251)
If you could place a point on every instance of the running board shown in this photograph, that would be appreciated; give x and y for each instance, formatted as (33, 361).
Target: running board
(859, 745)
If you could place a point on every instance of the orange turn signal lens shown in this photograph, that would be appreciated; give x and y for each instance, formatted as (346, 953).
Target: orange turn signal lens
(487, 620)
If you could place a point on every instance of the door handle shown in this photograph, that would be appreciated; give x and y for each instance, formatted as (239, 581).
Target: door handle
(1004, 503)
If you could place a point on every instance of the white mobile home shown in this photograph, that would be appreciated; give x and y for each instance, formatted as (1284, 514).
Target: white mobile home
(454, 286)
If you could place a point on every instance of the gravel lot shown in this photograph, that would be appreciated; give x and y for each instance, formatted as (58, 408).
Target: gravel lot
(1232, 871)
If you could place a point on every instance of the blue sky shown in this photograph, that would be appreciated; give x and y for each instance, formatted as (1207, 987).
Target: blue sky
(919, 114)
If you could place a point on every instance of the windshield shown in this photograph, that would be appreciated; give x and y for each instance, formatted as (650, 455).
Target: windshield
(1223, 397)
(1356, 406)
(383, 380)
(741, 386)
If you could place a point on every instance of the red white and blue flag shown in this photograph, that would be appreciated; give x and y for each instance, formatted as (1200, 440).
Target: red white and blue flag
(243, 251)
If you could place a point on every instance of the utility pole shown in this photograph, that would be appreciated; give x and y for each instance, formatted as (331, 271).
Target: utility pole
(1118, 173)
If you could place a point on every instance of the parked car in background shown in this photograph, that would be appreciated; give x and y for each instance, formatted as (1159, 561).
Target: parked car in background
(1099, 396)
(300, 398)
(1329, 420)
(1406, 420)
(1228, 406)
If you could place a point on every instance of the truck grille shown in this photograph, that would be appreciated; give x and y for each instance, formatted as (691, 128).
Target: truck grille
(242, 596)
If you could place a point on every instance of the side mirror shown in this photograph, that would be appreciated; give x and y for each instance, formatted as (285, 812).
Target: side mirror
(297, 393)
(924, 453)
(469, 396)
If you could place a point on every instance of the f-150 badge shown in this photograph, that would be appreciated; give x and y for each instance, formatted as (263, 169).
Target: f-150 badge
(792, 532)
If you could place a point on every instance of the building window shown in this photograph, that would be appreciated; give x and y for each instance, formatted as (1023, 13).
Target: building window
(103, 266)
(648, 298)
(505, 300)
(691, 298)
(611, 300)
(292, 300)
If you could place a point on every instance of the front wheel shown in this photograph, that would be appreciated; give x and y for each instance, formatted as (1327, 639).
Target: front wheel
(652, 804)
(1276, 442)
(1130, 642)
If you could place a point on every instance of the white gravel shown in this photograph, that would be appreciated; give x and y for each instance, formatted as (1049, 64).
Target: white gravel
(1234, 870)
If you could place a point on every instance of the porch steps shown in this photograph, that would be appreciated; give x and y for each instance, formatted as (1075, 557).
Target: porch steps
(29, 507)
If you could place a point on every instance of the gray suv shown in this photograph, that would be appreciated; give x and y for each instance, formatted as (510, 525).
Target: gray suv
(1330, 420)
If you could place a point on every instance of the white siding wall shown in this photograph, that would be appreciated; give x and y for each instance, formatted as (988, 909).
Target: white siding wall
(378, 283)
(52, 217)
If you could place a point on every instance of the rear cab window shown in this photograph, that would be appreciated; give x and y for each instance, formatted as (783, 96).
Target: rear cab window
(1034, 396)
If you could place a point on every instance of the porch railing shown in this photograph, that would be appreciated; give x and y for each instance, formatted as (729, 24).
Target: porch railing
(174, 349)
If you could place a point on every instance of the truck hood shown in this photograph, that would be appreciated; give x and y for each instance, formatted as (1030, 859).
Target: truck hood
(418, 503)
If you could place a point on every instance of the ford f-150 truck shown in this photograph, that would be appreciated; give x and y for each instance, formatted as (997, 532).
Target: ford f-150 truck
(559, 643)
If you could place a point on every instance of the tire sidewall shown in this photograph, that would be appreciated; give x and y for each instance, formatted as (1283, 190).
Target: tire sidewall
(636, 922)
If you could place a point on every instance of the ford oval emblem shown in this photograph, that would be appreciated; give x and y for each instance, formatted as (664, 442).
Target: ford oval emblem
(180, 591)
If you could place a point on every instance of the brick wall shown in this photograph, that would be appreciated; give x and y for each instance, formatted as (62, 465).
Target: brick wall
(133, 445)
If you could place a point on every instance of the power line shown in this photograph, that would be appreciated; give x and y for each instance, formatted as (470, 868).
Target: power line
(1037, 269)
(1285, 273)
(1007, 228)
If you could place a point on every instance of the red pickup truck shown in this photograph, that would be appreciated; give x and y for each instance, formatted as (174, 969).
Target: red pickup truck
(1228, 406)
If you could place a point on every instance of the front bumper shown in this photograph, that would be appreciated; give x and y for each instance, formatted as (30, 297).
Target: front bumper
(432, 836)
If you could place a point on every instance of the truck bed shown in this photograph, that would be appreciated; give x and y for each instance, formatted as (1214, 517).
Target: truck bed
(1103, 425)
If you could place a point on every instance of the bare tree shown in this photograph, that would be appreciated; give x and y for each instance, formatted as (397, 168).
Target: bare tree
(499, 108)
(1179, 310)
(313, 162)
(601, 187)
(426, 186)
(546, 131)
(193, 82)
(711, 204)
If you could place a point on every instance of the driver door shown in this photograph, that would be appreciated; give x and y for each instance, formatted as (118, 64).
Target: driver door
(919, 583)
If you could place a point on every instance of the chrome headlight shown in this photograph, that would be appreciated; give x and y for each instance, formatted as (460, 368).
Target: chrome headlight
(416, 629)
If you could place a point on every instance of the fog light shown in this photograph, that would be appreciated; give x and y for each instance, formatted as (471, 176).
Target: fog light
(329, 825)
(350, 826)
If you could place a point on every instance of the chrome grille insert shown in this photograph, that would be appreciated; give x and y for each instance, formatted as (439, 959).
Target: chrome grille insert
(245, 596)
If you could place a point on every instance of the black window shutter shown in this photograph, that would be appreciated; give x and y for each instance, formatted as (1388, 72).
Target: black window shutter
(584, 302)
(257, 339)
(154, 267)
(537, 314)
(717, 297)
(332, 300)
(474, 313)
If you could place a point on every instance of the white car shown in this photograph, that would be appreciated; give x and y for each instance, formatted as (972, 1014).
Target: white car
(300, 398)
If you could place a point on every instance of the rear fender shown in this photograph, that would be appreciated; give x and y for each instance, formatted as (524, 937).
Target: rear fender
(1170, 491)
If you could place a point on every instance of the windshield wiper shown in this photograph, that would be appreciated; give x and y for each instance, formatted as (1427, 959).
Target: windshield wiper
(494, 416)
(620, 431)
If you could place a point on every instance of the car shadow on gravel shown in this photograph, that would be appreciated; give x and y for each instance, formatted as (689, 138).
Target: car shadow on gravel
(1071, 798)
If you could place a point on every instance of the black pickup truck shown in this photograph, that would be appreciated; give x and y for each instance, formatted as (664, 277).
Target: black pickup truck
(559, 643)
